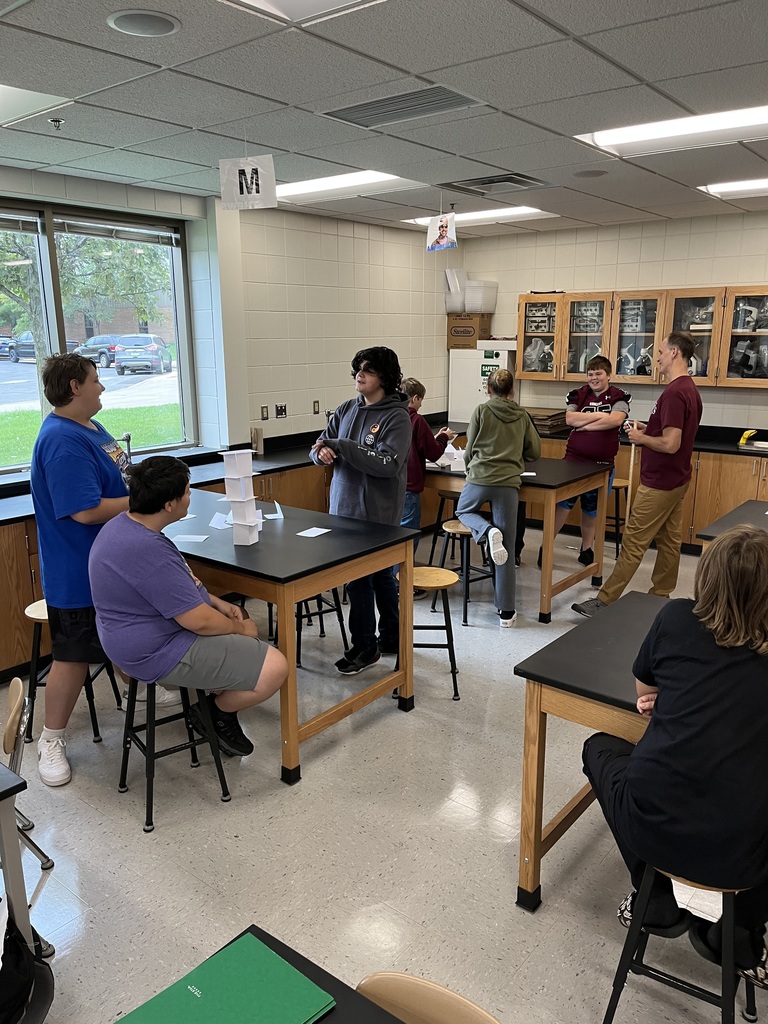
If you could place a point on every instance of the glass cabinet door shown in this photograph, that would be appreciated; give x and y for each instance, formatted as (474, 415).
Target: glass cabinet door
(635, 330)
(588, 321)
(536, 334)
(744, 349)
(701, 315)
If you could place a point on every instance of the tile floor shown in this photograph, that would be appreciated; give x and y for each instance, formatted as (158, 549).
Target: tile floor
(398, 849)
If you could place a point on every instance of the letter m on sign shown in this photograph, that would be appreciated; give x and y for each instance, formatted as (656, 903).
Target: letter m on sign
(246, 184)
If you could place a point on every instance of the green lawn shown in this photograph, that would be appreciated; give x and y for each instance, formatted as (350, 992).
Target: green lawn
(149, 426)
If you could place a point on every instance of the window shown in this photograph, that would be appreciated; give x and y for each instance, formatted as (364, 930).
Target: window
(114, 293)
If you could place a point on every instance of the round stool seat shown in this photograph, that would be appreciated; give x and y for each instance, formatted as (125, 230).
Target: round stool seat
(695, 885)
(456, 528)
(449, 495)
(619, 484)
(37, 612)
(428, 578)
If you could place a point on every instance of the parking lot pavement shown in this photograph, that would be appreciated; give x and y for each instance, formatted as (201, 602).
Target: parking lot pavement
(18, 387)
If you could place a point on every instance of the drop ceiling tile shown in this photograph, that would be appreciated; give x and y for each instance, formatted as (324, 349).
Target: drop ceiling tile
(375, 151)
(64, 69)
(348, 98)
(549, 72)
(112, 128)
(697, 209)
(205, 27)
(751, 204)
(709, 165)
(291, 65)
(582, 16)
(53, 149)
(290, 129)
(294, 167)
(760, 147)
(137, 165)
(6, 161)
(183, 100)
(577, 115)
(447, 169)
(405, 31)
(728, 89)
(353, 204)
(472, 135)
(437, 198)
(86, 172)
(206, 181)
(558, 153)
(705, 40)
(200, 148)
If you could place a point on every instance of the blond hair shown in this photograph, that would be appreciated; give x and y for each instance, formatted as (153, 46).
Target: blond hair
(731, 589)
(501, 382)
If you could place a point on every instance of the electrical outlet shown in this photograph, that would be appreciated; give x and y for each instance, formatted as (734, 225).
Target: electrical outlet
(265, 412)
(281, 411)
(316, 407)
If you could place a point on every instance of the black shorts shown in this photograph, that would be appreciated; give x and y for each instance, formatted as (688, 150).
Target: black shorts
(74, 636)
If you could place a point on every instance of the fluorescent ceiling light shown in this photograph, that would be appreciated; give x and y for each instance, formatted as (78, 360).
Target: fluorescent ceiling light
(356, 180)
(491, 216)
(18, 104)
(682, 133)
(737, 189)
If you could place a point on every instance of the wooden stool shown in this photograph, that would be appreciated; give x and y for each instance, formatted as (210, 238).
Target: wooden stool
(440, 581)
(445, 495)
(618, 485)
(38, 614)
(469, 573)
(131, 735)
(637, 939)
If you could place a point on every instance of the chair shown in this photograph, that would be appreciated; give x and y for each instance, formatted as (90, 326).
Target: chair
(418, 1001)
(439, 581)
(469, 573)
(132, 736)
(634, 950)
(38, 614)
(616, 520)
(13, 744)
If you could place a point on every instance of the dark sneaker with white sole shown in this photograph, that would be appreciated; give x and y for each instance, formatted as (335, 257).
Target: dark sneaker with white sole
(679, 926)
(589, 608)
(229, 732)
(586, 556)
(356, 659)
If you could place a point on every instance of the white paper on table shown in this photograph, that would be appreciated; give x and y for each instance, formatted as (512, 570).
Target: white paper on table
(189, 515)
(450, 451)
(219, 522)
(193, 538)
(313, 531)
(528, 472)
(225, 498)
(228, 517)
(277, 514)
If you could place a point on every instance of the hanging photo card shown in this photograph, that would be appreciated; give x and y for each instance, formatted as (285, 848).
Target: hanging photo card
(441, 233)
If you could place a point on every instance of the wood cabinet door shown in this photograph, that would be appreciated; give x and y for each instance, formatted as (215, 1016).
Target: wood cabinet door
(300, 488)
(743, 354)
(15, 594)
(538, 356)
(723, 482)
(700, 312)
(637, 323)
(762, 486)
(584, 332)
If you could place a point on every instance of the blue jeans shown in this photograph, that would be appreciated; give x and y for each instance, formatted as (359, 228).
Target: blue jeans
(412, 516)
(380, 587)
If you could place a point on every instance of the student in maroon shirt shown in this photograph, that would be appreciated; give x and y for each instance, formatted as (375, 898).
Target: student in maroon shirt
(665, 474)
(596, 411)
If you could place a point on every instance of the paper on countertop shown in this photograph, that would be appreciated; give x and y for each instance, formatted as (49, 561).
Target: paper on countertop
(225, 498)
(192, 538)
(528, 472)
(313, 531)
(277, 514)
(219, 521)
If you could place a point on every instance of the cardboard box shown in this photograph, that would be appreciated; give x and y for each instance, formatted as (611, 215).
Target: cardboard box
(466, 329)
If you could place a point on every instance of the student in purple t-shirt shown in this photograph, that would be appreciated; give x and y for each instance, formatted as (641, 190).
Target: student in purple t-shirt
(596, 411)
(158, 622)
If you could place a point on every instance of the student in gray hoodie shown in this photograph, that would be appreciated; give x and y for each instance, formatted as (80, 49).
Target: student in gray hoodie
(500, 438)
(367, 442)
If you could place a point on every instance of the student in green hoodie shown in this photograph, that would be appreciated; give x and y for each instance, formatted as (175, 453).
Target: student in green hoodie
(500, 438)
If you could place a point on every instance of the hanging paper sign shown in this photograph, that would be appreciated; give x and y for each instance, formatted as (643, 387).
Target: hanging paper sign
(247, 183)
(441, 233)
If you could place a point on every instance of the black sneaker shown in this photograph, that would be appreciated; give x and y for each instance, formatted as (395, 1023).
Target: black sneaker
(538, 559)
(586, 557)
(229, 733)
(356, 659)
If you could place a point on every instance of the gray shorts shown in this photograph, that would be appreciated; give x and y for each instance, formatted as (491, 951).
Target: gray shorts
(231, 662)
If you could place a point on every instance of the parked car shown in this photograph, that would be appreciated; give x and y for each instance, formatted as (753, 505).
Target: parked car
(146, 352)
(100, 347)
(4, 343)
(22, 347)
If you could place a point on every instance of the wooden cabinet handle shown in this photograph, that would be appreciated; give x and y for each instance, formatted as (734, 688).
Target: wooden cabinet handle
(754, 466)
(765, 467)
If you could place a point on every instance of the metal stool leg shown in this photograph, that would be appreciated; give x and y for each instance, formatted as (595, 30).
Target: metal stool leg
(45, 861)
(122, 786)
(320, 614)
(340, 617)
(729, 980)
(449, 638)
(616, 519)
(88, 686)
(438, 527)
(213, 743)
(193, 758)
(750, 1009)
(631, 944)
(464, 551)
(149, 760)
(109, 669)
(34, 662)
(270, 623)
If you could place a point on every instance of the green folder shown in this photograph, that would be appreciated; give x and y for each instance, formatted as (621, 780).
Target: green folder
(244, 983)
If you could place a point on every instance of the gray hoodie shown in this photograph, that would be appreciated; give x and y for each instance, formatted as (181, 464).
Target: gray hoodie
(370, 472)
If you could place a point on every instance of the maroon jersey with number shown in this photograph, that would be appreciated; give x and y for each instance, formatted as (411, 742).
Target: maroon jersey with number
(595, 445)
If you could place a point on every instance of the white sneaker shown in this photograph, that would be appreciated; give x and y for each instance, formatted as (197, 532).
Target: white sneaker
(163, 698)
(509, 622)
(496, 547)
(52, 761)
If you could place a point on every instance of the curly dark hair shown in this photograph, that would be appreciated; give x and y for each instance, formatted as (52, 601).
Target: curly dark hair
(382, 361)
(154, 482)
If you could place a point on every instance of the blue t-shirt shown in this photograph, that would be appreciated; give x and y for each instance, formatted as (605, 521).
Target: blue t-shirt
(140, 581)
(73, 468)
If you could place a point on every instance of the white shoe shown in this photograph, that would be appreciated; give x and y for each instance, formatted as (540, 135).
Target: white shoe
(508, 623)
(52, 761)
(496, 547)
(163, 698)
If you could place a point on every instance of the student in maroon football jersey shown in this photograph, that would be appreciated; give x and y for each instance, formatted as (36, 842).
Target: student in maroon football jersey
(596, 411)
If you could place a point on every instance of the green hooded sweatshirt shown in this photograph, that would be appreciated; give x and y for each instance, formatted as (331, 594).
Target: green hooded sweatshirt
(501, 437)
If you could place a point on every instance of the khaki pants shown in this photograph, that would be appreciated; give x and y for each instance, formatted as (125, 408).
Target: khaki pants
(655, 515)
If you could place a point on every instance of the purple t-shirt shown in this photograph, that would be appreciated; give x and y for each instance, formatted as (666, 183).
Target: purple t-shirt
(140, 581)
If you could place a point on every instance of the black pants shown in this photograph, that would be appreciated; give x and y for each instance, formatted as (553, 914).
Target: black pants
(605, 763)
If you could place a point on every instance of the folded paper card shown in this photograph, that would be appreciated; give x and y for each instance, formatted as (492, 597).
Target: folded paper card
(245, 981)
(238, 463)
(313, 531)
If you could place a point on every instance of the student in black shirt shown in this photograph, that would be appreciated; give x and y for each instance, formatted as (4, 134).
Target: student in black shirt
(691, 797)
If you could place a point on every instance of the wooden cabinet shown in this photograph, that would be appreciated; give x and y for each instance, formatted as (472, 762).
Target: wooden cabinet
(539, 326)
(637, 329)
(585, 327)
(723, 482)
(303, 487)
(700, 312)
(16, 592)
(762, 483)
(743, 351)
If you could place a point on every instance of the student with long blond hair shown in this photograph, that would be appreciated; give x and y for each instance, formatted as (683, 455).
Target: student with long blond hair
(691, 797)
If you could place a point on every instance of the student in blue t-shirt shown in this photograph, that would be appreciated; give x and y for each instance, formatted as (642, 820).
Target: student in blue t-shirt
(77, 485)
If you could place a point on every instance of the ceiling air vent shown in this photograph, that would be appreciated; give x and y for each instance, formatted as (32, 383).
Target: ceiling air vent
(495, 184)
(406, 107)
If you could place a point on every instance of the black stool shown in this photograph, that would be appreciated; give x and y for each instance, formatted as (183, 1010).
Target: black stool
(469, 573)
(634, 950)
(439, 580)
(445, 495)
(38, 615)
(131, 734)
(304, 614)
(616, 519)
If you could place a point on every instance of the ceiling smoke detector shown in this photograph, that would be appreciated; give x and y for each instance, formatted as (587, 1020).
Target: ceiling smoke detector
(149, 24)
